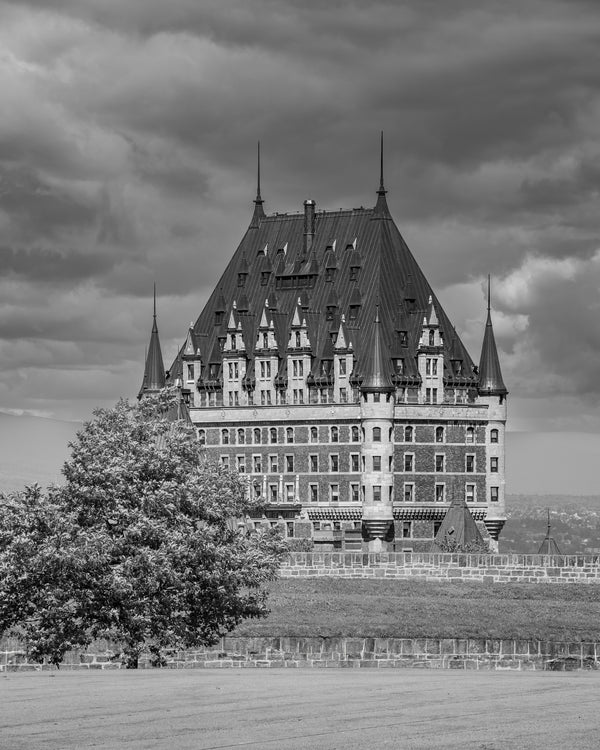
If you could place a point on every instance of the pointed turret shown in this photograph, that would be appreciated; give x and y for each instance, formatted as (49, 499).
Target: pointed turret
(376, 371)
(154, 371)
(458, 531)
(259, 213)
(381, 207)
(490, 375)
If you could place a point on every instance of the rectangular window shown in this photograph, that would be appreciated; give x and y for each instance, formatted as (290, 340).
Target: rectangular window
(354, 493)
(273, 464)
(313, 463)
(427, 367)
(428, 395)
(409, 493)
(300, 396)
(295, 367)
(469, 463)
(289, 464)
(241, 464)
(494, 465)
(190, 372)
(342, 366)
(354, 462)
(225, 461)
(434, 367)
(376, 493)
(406, 529)
(494, 494)
(289, 493)
(470, 493)
(257, 464)
(334, 493)
(231, 399)
(273, 493)
(434, 395)
(376, 463)
(314, 493)
(343, 396)
(334, 462)
(440, 462)
(408, 461)
(440, 492)
(300, 368)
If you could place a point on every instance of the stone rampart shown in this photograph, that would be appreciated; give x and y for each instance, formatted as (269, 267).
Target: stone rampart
(336, 653)
(445, 567)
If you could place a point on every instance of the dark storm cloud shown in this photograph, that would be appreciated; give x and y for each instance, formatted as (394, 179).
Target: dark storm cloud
(127, 152)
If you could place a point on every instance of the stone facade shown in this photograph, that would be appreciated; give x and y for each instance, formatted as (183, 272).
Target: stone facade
(337, 653)
(445, 567)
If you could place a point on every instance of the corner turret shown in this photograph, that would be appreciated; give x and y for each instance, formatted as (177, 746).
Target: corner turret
(490, 375)
(154, 370)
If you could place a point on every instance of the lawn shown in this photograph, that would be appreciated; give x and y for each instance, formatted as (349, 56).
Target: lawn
(415, 609)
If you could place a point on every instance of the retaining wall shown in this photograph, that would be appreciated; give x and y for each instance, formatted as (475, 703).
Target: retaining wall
(445, 567)
(337, 653)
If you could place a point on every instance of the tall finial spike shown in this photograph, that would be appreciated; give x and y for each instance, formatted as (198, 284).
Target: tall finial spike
(258, 198)
(548, 509)
(381, 165)
(489, 295)
(154, 300)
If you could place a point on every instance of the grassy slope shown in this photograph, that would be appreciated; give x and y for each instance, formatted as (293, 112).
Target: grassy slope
(411, 609)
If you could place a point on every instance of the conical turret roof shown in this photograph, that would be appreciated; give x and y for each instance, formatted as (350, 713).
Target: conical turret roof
(549, 545)
(458, 529)
(377, 372)
(490, 374)
(154, 370)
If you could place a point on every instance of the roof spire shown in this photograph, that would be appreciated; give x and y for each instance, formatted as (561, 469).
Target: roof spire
(381, 207)
(490, 374)
(549, 545)
(259, 213)
(154, 370)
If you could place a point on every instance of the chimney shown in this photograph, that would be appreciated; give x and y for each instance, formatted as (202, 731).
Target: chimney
(309, 224)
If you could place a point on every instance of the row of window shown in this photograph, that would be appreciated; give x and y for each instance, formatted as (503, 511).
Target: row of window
(356, 493)
(333, 435)
(289, 463)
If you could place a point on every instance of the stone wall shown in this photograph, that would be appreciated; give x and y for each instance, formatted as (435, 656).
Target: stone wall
(336, 653)
(445, 567)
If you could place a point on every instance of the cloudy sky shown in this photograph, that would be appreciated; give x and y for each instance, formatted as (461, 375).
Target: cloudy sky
(127, 156)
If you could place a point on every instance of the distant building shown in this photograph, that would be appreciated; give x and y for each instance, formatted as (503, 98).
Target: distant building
(324, 367)
(549, 546)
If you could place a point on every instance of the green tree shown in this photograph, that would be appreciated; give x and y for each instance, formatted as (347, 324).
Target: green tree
(141, 544)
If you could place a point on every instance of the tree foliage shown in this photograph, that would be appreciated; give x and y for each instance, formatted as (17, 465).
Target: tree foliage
(140, 545)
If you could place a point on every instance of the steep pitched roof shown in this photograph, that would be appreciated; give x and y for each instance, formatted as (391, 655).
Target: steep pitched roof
(458, 527)
(388, 274)
(377, 370)
(154, 370)
(490, 375)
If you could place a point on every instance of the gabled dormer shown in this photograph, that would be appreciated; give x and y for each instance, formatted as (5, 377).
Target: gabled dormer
(430, 357)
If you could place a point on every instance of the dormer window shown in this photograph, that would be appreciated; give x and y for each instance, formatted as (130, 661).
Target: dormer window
(353, 314)
(218, 317)
(213, 370)
(431, 338)
(330, 312)
(458, 367)
(241, 279)
(403, 338)
(264, 277)
(265, 340)
(297, 339)
(399, 365)
(353, 273)
(233, 342)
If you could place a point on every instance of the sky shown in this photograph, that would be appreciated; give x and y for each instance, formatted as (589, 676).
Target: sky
(128, 156)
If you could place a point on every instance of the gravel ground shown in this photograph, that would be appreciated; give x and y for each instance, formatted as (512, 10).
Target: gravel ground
(296, 709)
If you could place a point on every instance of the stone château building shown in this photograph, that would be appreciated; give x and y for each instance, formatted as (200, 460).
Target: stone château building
(325, 369)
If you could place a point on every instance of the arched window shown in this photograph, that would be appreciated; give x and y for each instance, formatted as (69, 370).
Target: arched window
(202, 437)
(241, 436)
(273, 434)
(470, 434)
(408, 434)
(439, 434)
(355, 434)
(376, 434)
(257, 435)
(289, 435)
(494, 436)
(225, 436)
(335, 435)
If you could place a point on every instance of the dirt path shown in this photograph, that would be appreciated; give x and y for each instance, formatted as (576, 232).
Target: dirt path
(293, 710)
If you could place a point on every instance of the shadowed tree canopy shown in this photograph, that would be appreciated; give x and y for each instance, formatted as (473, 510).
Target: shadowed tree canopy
(140, 545)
